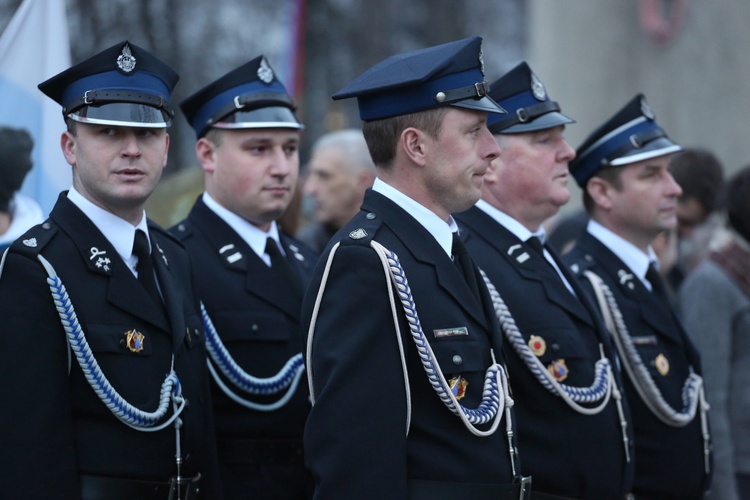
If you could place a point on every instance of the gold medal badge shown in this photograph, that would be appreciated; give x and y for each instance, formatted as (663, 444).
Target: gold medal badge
(537, 345)
(662, 364)
(458, 386)
(134, 340)
(558, 369)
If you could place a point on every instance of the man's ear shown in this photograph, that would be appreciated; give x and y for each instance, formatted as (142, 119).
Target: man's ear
(205, 150)
(67, 144)
(413, 143)
(600, 191)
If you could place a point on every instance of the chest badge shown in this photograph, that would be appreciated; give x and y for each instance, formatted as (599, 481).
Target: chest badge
(662, 364)
(537, 345)
(134, 340)
(458, 386)
(558, 369)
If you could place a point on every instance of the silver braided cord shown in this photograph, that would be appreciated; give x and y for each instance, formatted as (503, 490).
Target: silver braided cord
(124, 411)
(495, 394)
(287, 378)
(693, 393)
(314, 318)
(600, 389)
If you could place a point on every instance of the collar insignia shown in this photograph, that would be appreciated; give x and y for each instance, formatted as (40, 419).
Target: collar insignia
(233, 257)
(626, 278)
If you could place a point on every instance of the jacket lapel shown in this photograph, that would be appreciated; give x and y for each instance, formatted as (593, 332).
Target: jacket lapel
(124, 291)
(425, 249)
(237, 256)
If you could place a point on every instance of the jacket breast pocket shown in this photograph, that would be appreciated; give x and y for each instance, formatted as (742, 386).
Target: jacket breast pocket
(239, 326)
(118, 339)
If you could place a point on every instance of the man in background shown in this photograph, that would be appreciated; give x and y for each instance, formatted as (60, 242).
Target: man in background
(17, 212)
(339, 172)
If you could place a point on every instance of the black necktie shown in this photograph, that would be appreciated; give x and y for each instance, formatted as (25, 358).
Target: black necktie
(282, 268)
(535, 242)
(657, 286)
(462, 259)
(145, 266)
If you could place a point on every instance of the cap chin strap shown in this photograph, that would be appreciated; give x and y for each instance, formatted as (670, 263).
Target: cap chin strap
(102, 97)
(476, 91)
(248, 102)
(524, 115)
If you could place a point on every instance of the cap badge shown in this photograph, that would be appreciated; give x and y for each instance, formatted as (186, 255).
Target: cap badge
(265, 73)
(646, 109)
(481, 58)
(358, 234)
(537, 88)
(662, 364)
(134, 340)
(537, 345)
(458, 386)
(126, 61)
(558, 370)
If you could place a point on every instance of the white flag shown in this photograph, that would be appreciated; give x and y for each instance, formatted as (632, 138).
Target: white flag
(34, 47)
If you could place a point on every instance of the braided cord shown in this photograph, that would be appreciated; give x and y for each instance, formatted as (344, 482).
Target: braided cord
(171, 389)
(288, 377)
(495, 394)
(601, 387)
(692, 389)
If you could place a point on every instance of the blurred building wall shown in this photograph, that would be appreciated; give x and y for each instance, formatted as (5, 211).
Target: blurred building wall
(594, 55)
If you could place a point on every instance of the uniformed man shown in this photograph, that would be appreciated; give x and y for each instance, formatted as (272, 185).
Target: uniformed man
(251, 279)
(403, 353)
(630, 197)
(105, 387)
(564, 381)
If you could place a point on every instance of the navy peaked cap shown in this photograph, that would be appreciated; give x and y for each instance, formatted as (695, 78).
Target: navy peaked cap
(448, 74)
(630, 136)
(529, 107)
(249, 96)
(123, 85)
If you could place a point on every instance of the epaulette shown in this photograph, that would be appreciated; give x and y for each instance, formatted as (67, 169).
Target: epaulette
(36, 238)
(155, 228)
(182, 230)
(582, 265)
(364, 232)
